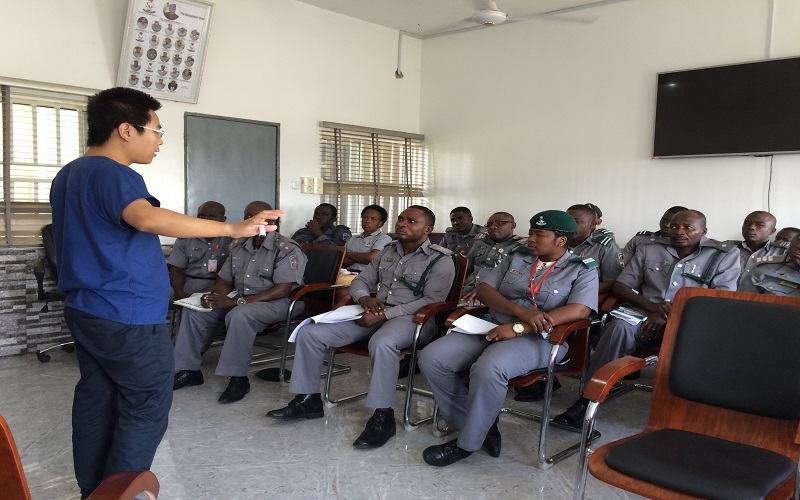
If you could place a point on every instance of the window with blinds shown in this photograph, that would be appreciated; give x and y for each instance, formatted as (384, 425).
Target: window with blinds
(41, 131)
(363, 166)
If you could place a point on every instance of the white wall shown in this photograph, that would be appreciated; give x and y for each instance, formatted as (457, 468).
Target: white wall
(272, 60)
(542, 114)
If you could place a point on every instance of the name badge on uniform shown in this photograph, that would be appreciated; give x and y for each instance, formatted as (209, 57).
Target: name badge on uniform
(388, 259)
(789, 284)
(212, 265)
(514, 271)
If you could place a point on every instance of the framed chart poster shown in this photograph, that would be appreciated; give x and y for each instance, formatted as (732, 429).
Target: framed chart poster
(164, 48)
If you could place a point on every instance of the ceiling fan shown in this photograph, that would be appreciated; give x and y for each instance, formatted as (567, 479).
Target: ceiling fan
(487, 15)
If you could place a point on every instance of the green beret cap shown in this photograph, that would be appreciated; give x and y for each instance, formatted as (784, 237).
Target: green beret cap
(554, 220)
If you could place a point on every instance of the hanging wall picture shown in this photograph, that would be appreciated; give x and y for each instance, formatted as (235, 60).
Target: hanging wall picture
(164, 48)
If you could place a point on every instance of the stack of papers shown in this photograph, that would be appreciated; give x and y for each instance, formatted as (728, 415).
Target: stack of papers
(629, 315)
(193, 301)
(340, 315)
(472, 325)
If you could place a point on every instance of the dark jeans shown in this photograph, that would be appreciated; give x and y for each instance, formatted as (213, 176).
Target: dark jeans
(122, 401)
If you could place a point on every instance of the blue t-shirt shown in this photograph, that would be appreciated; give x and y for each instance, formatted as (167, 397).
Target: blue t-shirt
(106, 267)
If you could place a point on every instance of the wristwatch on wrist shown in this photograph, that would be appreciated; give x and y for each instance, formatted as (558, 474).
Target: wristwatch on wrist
(518, 328)
(240, 301)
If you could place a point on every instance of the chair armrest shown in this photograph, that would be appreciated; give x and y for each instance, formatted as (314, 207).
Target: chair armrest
(609, 374)
(457, 313)
(302, 290)
(126, 485)
(561, 332)
(609, 303)
(426, 312)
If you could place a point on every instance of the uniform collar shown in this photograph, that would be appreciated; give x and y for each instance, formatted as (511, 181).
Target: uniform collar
(268, 243)
(425, 247)
(374, 233)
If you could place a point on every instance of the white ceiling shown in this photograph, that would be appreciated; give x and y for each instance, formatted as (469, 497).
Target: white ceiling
(428, 18)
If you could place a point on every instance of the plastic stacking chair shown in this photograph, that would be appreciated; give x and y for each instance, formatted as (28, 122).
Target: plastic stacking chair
(725, 409)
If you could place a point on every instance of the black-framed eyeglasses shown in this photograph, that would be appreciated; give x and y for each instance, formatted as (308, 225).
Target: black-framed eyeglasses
(158, 131)
(498, 223)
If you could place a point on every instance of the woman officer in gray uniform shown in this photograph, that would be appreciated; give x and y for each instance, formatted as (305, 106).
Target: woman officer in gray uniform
(540, 286)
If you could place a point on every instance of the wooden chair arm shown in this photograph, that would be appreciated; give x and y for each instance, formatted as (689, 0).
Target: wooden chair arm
(426, 312)
(126, 485)
(473, 310)
(609, 374)
(303, 290)
(609, 303)
(560, 332)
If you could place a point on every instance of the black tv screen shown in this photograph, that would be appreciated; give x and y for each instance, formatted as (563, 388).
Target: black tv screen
(742, 109)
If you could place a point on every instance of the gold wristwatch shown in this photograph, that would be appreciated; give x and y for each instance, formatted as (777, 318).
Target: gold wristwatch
(518, 328)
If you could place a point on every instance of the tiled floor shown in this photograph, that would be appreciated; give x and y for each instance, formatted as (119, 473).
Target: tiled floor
(215, 451)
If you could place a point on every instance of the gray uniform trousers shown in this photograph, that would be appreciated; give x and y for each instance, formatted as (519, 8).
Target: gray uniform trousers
(617, 339)
(474, 409)
(242, 322)
(385, 343)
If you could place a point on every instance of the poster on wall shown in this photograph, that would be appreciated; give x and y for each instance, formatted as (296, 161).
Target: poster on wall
(164, 48)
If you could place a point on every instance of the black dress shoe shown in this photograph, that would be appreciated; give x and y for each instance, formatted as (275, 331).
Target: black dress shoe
(380, 428)
(444, 454)
(302, 406)
(187, 377)
(237, 388)
(535, 391)
(492, 441)
(573, 417)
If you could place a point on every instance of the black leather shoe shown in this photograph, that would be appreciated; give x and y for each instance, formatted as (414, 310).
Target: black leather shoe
(237, 388)
(535, 391)
(380, 428)
(444, 454)
(187, 377)
(492, 441)
(573, 417)
(302, 406)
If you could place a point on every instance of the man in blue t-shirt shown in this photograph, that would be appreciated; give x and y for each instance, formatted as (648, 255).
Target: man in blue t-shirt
(113, 273)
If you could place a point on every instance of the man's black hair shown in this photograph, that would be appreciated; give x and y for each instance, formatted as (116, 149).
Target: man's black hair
(461, 209)
(110, 108)
(428, 214)
(334, 212)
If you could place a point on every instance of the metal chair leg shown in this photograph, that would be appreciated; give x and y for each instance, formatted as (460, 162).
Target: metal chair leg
(585, 451)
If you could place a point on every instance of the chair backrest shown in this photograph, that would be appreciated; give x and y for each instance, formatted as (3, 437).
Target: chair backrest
(12, 477)
(324, 262)
(727, 368)
(462, 264)
(50, 249)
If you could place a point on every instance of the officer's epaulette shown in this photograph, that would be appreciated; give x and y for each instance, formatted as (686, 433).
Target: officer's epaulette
(237, 242)
(441, 249)
(603, 239)
(645, 233)
(520, 249)
(771, 259)
(587, 261)
(603, 230)
(781, 244)
(725, 246)
(285, 244)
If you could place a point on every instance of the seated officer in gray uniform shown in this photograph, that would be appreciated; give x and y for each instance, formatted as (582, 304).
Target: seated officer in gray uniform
(643, 237)
(322, 230)
(599, 232)
(362, 248)
(490, 251)
(776, 274)
(540, 286)
(460, 237)
(262, 270)
(757, 229)
(407, 275)
(602, 249)
(195, 262)
(658, 270)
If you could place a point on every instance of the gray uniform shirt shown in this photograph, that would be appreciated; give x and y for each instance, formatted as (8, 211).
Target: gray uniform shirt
(462, 243)
(334, 235)
(570, 282)
(487, 254)
(657, 273)
(748, 258)
(605, 252)
(388, 271)
(639, 239)
(254, 270)
(773, 275)
(192, 255)
(363, 243)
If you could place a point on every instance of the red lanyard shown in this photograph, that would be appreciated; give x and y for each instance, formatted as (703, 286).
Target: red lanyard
(539, 284)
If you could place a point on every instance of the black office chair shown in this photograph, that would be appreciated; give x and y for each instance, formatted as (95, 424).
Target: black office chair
(39, 270)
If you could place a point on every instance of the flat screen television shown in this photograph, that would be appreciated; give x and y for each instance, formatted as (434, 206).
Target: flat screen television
(741, 109)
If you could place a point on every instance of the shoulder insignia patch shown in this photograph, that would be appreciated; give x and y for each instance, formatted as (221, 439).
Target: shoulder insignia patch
(644, 233)
(771, 259)
(441, 249)
(520, 249)
(587, 261)
(603, 230)
(603, 239)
